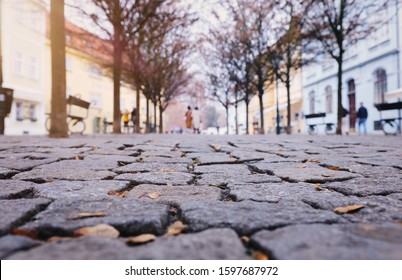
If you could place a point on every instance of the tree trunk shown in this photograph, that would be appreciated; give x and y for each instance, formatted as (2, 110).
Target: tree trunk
(340, 107)
(260, 97)
(137, 113)
(289, 126)
(227, 120)
(58, 117)
(160, 120)
(155, 122)
(117, 63)
(147, 119)
(237, 117)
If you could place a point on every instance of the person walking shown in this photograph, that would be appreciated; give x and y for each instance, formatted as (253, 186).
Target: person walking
(134, 118)
(196, 121)
(125, 120)
(362, 115)
(189, 118)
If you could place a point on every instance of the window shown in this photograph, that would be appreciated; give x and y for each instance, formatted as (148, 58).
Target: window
(380, 85)
(32, 73)
(351, 87)
(18, 63)
(312, 102)
(380, 19)
(328, 96)
(19, 115)
(95, 72)
(32, 112)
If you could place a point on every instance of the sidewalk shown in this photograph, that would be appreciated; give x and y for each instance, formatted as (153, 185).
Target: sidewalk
(201, 197)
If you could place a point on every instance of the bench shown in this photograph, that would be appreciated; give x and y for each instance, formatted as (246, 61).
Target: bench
(329, 127)
(390, 126)
(77, 112)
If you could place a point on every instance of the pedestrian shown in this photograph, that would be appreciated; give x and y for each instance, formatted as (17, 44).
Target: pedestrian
(134, 118)
(362, 115)
(125, 120)
(189, 118)
(196, 121)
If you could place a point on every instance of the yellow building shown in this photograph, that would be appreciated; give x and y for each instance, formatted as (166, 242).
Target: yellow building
(269, 101)
(89, 78)
(23, 31)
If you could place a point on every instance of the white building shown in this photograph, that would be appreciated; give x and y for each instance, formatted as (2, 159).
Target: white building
(23, 26)
(372, 75)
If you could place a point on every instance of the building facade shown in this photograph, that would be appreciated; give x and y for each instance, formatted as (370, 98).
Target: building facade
(23, 31)
(371, 75)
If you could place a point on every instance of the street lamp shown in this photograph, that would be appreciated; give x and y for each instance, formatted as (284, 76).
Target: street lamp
(276, 59)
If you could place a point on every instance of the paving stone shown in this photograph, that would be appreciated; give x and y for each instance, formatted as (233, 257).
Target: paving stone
(213, 244)
(83, 248)
(74, 170)
(238, 169)
(325, 200)
(11, 244)
(10, 189)
(6, 173)
(142, 167)
(88, 190)
(247, 217)
(332, 242)
(158, 178)
(175, 194)
(113, 159)
(163, 153)
(375, 171)
(218, 179)
(114, 152)
(16, 212)
(61, 153)
(183, 160)
(211, 158)
(368, 186)
(23, 163)
(130, 217)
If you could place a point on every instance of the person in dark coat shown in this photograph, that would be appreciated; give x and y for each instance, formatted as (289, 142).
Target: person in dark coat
(362, 115)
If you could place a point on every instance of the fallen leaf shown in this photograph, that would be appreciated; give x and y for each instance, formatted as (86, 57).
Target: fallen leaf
(196, 161)
(77, 158)
(260, 256)
(98, 230)
(176, 228)
(121, 194)
(154, 195)
(334, 168)
(191, 168)
(28, 233)
(326, 175)
(87, 215)
(348, 209)
(140, 239)
(245, 239)
(169, 184)
(318, 188)
(216, 148)
(399, 223)
(57, 238)
(314, 160)
(302, 166)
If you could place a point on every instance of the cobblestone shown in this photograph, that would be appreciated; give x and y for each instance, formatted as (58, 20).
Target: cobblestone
(281, 193)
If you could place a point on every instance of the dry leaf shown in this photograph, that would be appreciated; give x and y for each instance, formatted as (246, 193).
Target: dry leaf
(175, 228)
(216, 148)
(57, 238)
(196, 161)
(140, 239)
(77, 158)
(258, 255)
(154, 195)
(98, 230)
(314, 160)
(348, 209)
(169, 184)
(87, 215)
(121, 194)
(399, 223)
(28, 233)
(326, 175)
(302, 166)
(245, 239)
(318, 188)
(334, 168)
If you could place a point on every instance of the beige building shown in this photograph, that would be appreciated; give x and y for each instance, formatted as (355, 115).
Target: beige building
(269, 101)
(89, 78)
(23, 31)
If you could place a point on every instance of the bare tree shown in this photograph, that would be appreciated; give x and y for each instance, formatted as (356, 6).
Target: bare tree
(339, 24)
(121, 22)
(58, 116)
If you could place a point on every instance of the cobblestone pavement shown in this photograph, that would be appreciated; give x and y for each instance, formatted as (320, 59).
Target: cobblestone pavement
(201, 197)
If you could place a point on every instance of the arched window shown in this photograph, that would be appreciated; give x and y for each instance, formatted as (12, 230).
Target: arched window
(328, 99)
(311, 98)
(380, 86)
